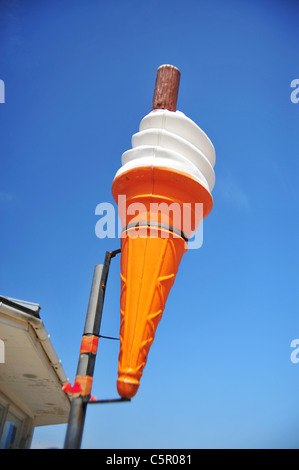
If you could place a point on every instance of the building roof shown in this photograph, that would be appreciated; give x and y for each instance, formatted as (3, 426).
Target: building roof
(32, 374)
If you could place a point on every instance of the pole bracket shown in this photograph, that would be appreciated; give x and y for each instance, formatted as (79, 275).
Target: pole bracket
(111, 400)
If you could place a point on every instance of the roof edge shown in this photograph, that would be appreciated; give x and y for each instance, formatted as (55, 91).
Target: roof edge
(19, 304)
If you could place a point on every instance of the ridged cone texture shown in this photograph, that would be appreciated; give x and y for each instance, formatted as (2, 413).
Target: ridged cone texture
(149, 265)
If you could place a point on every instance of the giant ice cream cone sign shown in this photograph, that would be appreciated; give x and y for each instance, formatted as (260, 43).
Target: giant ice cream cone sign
(163, 190)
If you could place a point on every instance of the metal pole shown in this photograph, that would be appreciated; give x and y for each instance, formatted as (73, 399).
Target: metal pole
(76, 423)
(88, 352)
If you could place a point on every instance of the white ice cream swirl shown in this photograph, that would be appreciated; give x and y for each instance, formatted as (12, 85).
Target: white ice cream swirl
(171, 140)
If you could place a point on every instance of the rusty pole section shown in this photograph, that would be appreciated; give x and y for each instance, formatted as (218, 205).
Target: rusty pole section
(166, 88)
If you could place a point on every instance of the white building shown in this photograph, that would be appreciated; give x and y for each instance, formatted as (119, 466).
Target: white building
(31, 375)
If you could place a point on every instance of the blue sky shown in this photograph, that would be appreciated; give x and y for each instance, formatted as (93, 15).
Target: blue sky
(79, 77)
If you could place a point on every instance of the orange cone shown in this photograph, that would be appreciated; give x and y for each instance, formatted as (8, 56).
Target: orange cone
(148, 268)
(153, 243)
